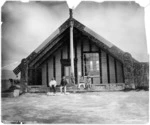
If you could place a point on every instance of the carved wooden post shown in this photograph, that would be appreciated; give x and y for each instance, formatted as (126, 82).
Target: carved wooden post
(24, 75)
(141, 75)
(137, 74)
(128, 70)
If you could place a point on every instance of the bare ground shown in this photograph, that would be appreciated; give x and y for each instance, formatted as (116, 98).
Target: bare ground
(95, 107)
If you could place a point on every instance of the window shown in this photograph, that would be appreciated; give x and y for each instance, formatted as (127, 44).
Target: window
(97, 65)
(91, 64)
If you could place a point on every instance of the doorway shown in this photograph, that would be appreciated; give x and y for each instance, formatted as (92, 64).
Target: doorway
(66, 69)
(91, 66)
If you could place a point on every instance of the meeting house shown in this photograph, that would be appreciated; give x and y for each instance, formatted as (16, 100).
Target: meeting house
(76, 51)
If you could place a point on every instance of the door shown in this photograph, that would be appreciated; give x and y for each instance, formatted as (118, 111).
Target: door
(91, 66)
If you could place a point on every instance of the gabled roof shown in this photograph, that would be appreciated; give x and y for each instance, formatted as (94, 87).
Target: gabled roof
(52, 40)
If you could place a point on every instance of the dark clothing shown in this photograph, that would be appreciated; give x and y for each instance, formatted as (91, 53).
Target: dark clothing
(63, 82)
(53, 88)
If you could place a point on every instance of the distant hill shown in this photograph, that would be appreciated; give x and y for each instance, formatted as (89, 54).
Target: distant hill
(8, 74)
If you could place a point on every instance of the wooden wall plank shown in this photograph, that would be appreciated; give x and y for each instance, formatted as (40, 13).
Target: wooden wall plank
(58, 66)
(47, 74)
(65, 50)
(112, 69)
(104, 67)
(68, 50)
(94, 47)
(44, 75)
(100, 65)
(86, 45)
(50, 69)
(115, 64)
(54, 67)
(75, 64)
(119, 72)
(82, 72)
(90, 45)
(108, 70)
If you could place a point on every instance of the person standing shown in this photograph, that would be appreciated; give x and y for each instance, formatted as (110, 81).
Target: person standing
(63, 84)
(52, 84)
(88, 82)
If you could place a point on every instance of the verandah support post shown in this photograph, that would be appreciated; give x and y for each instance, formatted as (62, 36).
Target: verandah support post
(71, 46)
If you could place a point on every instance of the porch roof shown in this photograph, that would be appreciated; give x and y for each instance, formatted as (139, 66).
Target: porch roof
(52, 40)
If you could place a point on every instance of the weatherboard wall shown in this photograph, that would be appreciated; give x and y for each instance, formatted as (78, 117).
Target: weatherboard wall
(113, 75)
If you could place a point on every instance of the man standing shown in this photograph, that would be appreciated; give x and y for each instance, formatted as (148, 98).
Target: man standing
(63, 84)
(52, 84)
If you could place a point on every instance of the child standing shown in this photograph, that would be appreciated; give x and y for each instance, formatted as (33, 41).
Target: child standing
(88, 82)
(63, 84)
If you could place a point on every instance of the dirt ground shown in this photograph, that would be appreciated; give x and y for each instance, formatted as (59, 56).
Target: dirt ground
(95, 107)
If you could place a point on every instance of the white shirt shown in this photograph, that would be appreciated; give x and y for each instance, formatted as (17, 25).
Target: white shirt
(52, 82)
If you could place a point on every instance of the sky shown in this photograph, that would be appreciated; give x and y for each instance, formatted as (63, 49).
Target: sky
(26, 25)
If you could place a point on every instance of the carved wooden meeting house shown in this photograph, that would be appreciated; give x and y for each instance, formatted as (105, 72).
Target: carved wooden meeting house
(74, 48)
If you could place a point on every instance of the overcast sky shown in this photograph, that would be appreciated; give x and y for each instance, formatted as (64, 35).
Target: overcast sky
(26, 25)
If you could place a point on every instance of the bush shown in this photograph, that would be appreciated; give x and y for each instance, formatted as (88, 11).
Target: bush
(146, 88)
(12, 88)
